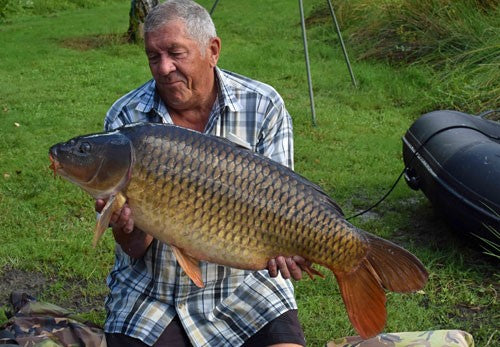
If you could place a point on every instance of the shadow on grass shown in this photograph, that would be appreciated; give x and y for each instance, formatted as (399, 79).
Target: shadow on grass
(429, 229)
(91, 42)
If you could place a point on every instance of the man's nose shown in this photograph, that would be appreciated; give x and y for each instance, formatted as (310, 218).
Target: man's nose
(166, 66)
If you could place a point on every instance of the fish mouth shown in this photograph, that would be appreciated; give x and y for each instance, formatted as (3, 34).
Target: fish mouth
(54, 164)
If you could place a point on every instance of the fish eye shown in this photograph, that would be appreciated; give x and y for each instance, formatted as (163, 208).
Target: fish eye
(84, 147)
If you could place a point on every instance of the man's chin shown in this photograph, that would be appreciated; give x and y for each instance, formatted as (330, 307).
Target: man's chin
(176, 100)
(173, 91)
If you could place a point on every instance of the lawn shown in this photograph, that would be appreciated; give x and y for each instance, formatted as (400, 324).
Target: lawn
(59, 73)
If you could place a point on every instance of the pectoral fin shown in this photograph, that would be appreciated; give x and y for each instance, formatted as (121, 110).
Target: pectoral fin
(190, 266)
(114, 203)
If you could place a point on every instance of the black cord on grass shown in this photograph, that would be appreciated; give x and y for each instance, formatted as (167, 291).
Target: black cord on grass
(381, 199)
(415, 154)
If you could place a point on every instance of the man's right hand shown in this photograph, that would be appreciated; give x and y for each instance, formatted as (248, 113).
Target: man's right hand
(133, 241)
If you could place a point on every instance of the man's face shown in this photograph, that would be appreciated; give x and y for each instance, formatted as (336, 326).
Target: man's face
(183, 76)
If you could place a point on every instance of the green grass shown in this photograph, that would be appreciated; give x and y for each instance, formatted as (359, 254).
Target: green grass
(60, 72)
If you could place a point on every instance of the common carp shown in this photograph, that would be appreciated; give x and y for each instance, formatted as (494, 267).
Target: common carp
(215, 201)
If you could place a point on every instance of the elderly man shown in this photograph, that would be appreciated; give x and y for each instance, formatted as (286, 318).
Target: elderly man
(152, 301)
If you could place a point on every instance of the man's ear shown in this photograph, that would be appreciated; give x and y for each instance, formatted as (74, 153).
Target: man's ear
(213, 50)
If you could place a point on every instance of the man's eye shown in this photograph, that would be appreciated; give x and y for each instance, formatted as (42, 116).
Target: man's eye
(152, 57)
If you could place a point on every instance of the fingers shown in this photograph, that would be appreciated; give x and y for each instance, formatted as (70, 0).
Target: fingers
(289, 267)
(134, 242)
(122, 220)
(294, 269)
(272, 268)
(301, 262)
(306, 266)
(282, 267)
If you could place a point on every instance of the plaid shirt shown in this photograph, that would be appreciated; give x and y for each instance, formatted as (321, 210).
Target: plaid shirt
(145, 294)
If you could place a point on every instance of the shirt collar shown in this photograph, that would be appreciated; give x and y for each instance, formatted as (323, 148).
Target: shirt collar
(228, 98)
(150, 101)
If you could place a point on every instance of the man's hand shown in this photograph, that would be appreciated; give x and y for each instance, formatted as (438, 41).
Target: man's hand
(289, 267)
(133, 241)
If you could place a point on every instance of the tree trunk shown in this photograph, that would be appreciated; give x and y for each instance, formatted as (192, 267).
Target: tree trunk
(138, 12)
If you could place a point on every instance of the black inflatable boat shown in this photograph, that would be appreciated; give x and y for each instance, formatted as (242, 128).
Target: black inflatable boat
(454, 158)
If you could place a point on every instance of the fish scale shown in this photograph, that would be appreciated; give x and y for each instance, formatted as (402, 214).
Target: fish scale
(212, 200)
(192, 171)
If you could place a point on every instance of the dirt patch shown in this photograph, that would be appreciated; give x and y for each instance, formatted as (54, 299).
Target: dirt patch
(425, 226)
(75, 299)
(94, 41)
(367, 216)
(31, 282)
(38, 285)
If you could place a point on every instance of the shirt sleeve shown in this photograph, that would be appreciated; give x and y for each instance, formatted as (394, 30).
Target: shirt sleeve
(276, 136)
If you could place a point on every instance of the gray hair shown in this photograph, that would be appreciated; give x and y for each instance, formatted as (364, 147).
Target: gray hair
(199, 24)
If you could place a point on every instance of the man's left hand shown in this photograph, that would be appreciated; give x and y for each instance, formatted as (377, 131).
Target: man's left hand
(289, 267)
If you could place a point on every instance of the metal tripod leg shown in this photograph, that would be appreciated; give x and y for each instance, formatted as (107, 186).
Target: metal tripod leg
(332, 13)
(214, 6)
(308, 68)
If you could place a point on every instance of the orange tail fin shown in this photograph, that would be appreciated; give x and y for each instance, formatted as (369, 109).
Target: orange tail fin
(386, 265)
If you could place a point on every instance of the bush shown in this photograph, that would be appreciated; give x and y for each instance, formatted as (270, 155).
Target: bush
(459, 39)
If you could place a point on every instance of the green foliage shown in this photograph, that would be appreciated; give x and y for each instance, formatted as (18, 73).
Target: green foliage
(60, 73)
(491, 246)
(459, 39)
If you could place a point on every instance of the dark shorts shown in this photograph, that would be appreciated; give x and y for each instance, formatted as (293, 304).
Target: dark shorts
(284, 329)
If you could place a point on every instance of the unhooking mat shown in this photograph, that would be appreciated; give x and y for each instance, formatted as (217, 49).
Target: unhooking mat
(38, 324)
(431, 338)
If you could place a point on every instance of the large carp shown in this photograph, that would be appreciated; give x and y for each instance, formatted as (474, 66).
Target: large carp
(215, 201)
